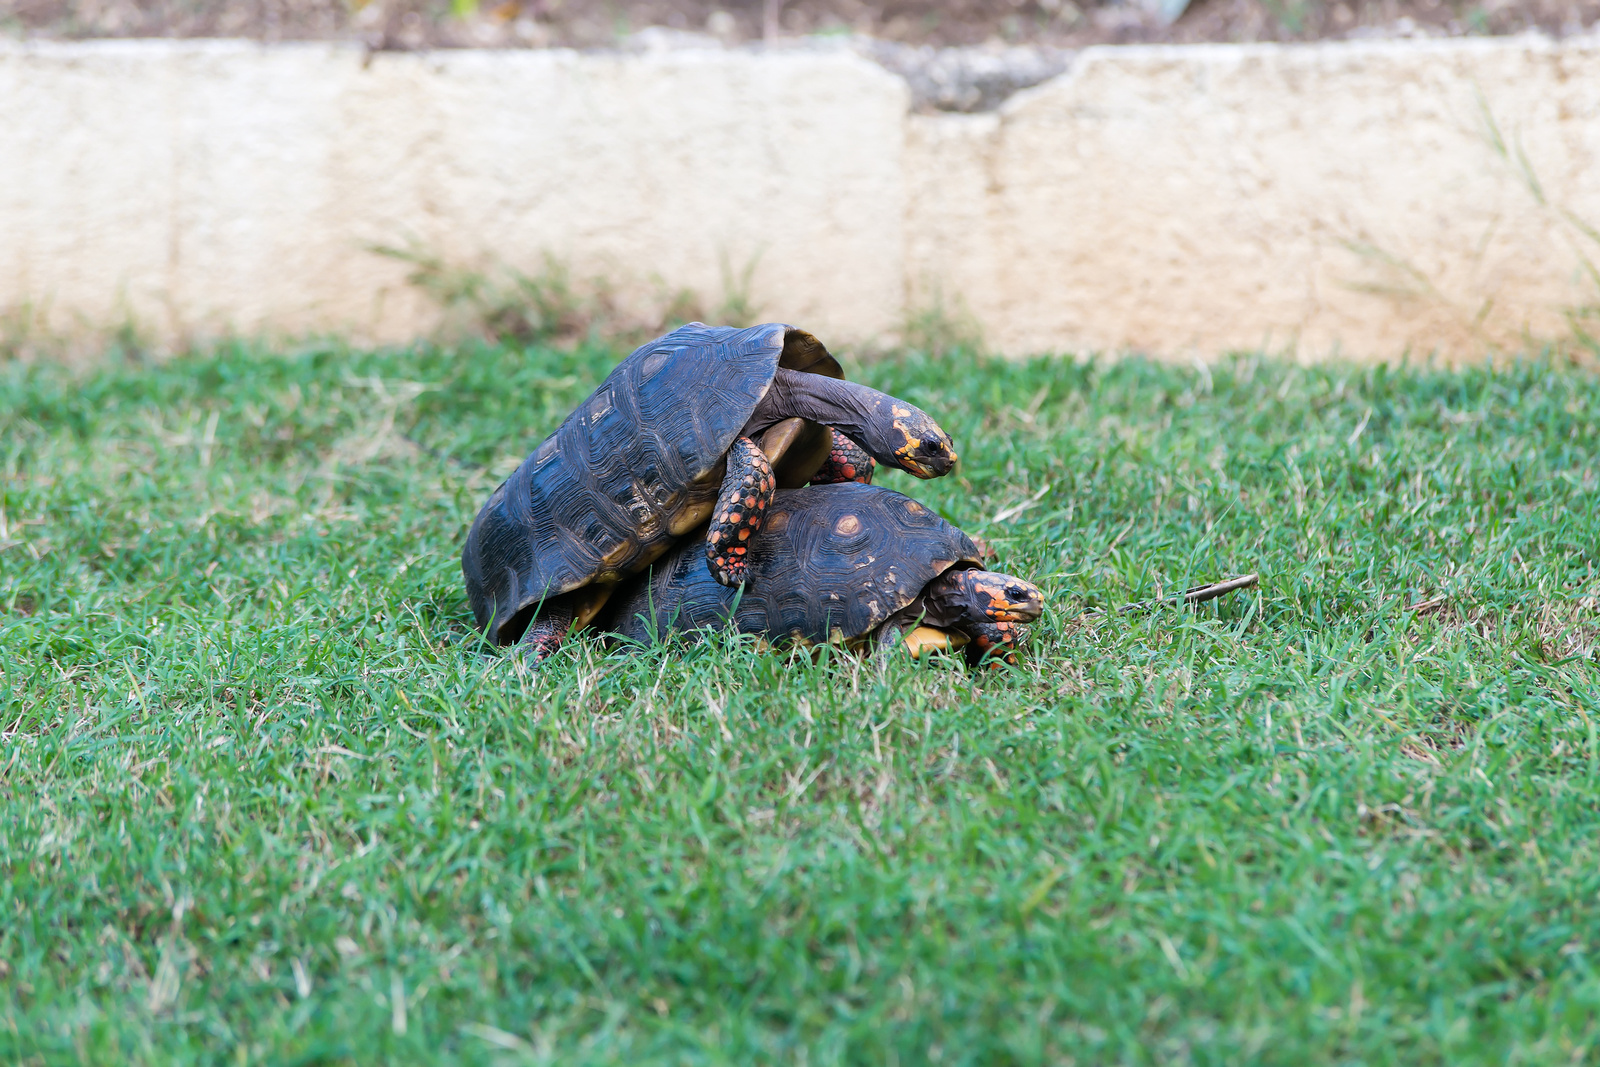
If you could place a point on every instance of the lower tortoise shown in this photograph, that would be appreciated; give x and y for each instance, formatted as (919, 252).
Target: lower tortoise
(845, 564)
(705, 423)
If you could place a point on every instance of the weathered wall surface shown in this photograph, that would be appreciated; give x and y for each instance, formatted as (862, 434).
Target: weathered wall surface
(219, 185)
(1373, 198)
(1365, 198)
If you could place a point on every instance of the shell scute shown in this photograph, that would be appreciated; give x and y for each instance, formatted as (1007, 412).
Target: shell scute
(624, 473)
(806, 579)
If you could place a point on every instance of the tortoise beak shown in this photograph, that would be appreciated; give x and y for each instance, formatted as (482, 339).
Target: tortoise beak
(928, 451)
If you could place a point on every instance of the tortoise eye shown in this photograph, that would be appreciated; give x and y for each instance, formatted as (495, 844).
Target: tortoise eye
(1016, 592)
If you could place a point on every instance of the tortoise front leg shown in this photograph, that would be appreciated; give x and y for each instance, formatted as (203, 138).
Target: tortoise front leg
(747, 491)
(846, 462)
(997, 640)
(545, 633)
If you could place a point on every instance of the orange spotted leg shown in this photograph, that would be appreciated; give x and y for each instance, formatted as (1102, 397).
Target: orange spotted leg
(543, 635)
(746, 493)
(997, 640)
(846, 462)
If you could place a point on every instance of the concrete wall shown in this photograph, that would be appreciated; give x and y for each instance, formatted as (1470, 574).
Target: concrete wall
(1376, 198)
(1366, 198)
(219, 185)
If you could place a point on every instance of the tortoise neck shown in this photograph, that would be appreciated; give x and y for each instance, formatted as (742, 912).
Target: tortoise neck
(850, 407)
(948, 600)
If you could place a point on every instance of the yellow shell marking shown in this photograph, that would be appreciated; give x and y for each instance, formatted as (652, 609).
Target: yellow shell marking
(689, 518)
(925, 639)
(587, 602)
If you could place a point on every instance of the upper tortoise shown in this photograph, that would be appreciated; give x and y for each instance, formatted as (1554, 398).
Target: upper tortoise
(703, 423)
(842, 564)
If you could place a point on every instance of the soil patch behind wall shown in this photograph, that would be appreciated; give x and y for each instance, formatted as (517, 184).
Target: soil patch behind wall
(992, 24)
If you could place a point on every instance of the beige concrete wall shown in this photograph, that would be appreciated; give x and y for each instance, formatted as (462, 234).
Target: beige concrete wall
(1366, 198)
(1183, 201)
(218, 185)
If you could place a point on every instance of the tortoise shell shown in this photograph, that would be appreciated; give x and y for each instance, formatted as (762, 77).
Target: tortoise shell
(832, 563)
(635, 467)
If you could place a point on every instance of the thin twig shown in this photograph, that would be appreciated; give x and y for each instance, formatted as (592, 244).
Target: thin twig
(1199, 593)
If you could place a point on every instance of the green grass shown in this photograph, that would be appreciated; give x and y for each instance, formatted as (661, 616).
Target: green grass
(262, 798)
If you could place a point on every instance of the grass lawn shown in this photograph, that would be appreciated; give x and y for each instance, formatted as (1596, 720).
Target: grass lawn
(263, 799)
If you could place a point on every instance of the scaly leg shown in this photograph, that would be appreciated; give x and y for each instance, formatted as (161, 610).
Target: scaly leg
(999, 640)
(545, 633)
(747, 490)
(846, 462)
(889, 639)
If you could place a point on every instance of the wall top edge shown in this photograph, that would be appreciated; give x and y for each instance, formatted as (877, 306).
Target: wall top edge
(1303, 55)
(122, 48)
(474, 62)
(803, 48)
(1377, 46)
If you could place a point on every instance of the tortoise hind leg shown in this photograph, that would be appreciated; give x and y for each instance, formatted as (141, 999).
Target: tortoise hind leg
(846, 462)
(747, 491)
(545, 633)
(889, 639)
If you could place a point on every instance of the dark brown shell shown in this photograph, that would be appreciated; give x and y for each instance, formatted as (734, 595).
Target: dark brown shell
(633, 469)
(832, 563)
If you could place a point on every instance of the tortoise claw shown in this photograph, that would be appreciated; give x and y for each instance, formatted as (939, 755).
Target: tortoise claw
(544, 634)
(729, 572)
(993, 643)
(537, 650)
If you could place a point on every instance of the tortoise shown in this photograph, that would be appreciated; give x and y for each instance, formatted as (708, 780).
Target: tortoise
(703, 423)
(843, 564)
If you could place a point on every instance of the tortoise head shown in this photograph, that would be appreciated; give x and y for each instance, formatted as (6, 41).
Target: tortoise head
(915, 442)
(1000, 598)
(893, 432)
